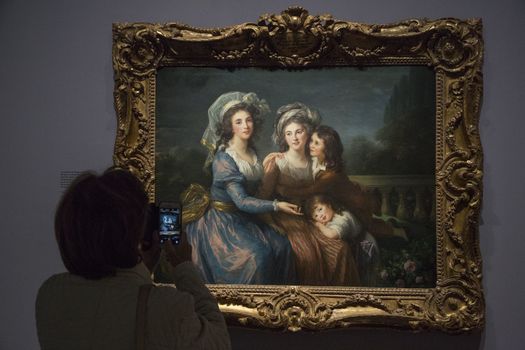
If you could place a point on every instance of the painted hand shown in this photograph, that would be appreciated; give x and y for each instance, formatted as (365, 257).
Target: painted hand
(289, 208)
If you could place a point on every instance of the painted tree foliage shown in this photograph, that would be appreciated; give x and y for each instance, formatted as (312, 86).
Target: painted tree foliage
(406, 143)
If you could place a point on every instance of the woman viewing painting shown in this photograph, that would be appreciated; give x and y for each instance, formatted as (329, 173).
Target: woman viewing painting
(231, 245)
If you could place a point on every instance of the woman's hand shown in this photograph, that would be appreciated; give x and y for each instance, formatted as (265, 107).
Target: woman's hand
(289, 208)
(176, 254)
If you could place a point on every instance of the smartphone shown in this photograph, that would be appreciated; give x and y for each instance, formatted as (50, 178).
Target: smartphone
(170, 222)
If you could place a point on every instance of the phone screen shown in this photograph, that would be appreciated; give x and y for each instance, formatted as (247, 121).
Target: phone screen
(169, 223)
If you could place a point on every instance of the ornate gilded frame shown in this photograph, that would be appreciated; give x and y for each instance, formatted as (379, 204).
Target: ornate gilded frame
(294, 38)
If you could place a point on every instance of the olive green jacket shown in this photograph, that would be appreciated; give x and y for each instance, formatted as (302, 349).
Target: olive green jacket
(77, 313)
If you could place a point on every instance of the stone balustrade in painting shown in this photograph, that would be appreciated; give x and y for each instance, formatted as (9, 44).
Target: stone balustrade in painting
(407, 197)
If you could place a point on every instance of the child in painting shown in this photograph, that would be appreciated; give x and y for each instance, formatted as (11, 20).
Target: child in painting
(336, 223)
(332, 223)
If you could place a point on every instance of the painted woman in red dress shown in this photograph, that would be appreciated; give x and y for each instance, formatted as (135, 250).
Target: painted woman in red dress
(319, 260)
(326, 150)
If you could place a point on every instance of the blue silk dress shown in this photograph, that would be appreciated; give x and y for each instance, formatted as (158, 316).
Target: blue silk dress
(232, 246)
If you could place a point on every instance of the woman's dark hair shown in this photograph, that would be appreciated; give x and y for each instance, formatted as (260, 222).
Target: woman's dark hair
(225, 129)
(100, 222)
(333, 147)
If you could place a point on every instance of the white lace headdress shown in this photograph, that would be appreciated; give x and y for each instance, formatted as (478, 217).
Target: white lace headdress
(287, 112)
(219, 108)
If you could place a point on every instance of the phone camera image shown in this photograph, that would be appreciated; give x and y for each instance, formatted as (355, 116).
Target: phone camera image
(169, 224)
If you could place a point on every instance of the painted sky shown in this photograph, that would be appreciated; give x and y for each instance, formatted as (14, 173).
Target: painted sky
(350, 99)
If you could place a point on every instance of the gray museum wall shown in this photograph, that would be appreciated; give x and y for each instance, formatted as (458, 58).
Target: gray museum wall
(57, 115)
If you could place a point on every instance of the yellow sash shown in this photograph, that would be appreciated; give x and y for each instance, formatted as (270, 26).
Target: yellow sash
(196, 200)
(223, 206)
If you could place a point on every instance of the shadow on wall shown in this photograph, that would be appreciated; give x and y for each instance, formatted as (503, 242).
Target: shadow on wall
(369, 339)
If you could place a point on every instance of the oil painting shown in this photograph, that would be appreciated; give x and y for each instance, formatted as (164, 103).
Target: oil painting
(373, 171)
(330, 172)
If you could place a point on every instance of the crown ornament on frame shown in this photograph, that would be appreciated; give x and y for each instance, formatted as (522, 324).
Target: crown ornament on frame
(296, 39)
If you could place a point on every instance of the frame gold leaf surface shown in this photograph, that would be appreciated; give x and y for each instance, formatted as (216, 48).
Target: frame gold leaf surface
(295, 39)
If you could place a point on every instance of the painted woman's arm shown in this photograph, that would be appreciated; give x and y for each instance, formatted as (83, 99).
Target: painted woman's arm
(247, 203)
(226, 174)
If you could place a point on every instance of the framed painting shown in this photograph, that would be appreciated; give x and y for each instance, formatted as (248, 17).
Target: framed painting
(329, 171)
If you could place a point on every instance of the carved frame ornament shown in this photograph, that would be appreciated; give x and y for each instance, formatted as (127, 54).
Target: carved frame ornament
(296, 39)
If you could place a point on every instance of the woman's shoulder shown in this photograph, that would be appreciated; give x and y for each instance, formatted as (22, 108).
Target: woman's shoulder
(53, 288)
(222, 155)
(273, 161)
(223, 160)
(225, 169)
(55, 281)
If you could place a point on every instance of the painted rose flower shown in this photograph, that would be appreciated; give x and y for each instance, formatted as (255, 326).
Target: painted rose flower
(409, 266)
(383, 274)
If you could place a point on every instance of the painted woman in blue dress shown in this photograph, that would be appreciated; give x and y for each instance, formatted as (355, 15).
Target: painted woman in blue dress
(230, 245)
